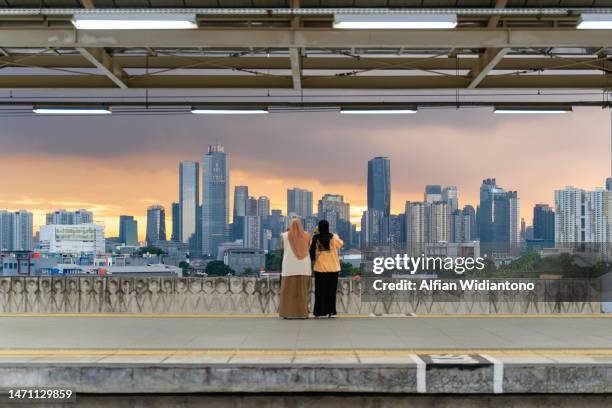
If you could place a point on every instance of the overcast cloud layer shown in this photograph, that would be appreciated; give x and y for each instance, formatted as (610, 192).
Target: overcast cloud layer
(122, 164)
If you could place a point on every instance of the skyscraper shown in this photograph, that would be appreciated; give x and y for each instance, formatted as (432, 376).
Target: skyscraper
(374, 231)
(251, 206)
(438, 222)
(215, 199)
(379, 185)
(543, 222)
(252, 232)
(331, 207)
(498, 218)
(156, 224)
(189, 200)
(176, 222)
(263, 206)
(241, 195)
(22, 231)
(417, 222)
(128, 230)
(583, 217)
(514, 208)
(433, 193)
(299, 202)
(449, 195)
(6, 226)
(469, 214)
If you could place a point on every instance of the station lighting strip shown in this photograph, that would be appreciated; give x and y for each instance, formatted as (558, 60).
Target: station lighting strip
(396, 109)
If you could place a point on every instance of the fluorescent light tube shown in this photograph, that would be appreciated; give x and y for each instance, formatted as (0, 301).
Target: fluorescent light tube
(377, 111)
(229, 111)
(395, 21)
(160, 21)
(534, 110)
(72, 111)
(595, 22)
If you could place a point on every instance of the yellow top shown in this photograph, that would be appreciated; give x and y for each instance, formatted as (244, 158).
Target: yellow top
(328, 261)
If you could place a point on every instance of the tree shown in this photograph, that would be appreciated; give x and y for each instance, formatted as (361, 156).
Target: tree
(347, 269)
(184, 265)
(274, 260)
(218, 268)
(152, 250)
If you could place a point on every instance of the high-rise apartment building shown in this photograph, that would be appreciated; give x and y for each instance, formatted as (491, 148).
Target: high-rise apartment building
(417, 227)
(439, 226)
(299, 202)
(189, 200)
(215, 199)
(16, 230)
(252, 232)
(156, 224)
(64, 217)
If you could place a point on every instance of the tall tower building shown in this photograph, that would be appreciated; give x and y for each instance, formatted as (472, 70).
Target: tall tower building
(498, 218)
(439, 222)
(22, 231)
(241, 195)
(417, 231)
(215, 199)
(128, 230)
(299, 202)
(189, 200)
(514, 209)
(433, 193)
(156, 224)
(379, 185)
(263, 206)
(450, 196)
(251, 206)
(6, 227)
(176, 222)
(543, 222)
(469, 214)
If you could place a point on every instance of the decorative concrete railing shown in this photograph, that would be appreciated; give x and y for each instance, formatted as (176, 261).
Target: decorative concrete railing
(248, 295)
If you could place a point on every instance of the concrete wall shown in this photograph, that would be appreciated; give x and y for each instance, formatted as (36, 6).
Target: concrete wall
(237, 295)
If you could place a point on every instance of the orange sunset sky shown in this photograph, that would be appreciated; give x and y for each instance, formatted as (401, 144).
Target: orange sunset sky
(122, 164)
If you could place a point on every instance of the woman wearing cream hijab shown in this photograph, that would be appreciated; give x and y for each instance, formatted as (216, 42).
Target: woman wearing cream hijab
(296, 272)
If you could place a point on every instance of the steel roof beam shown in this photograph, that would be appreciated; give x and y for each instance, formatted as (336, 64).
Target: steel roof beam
(105, 63)
(311, 82)
(306, 38)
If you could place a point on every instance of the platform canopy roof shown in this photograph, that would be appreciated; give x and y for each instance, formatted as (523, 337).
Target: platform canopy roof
(498, 46)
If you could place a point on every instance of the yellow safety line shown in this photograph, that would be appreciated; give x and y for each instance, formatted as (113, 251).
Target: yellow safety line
(297, 352)
(274, 315)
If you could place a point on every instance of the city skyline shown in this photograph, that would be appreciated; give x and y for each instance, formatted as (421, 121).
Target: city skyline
(535, 160)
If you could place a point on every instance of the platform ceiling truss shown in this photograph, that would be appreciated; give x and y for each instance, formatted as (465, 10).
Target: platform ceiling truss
(275, 44)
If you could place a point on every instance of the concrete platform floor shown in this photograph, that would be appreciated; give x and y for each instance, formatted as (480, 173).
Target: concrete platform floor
(226, 332)
(199, 354)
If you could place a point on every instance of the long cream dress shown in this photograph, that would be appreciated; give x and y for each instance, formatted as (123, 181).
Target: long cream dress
(295, 284)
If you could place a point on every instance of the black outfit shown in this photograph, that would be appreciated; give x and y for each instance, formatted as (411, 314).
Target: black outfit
(326, 283)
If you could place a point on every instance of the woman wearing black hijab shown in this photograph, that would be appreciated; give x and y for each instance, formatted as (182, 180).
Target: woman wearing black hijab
(324, 251)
